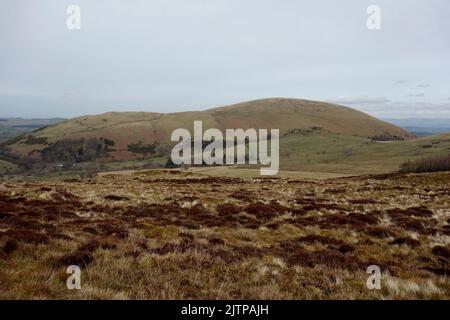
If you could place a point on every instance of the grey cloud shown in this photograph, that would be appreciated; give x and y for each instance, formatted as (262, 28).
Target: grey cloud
(404, 109)
(168, 56)
(424, 85)
(417, 95)
(359, 100)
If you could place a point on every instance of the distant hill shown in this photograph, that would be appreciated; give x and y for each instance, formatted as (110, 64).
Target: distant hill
(12, 127)
(423, 127)
(134, 135)
(314, 137)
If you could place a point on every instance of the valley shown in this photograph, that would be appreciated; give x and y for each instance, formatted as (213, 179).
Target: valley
(314, 137)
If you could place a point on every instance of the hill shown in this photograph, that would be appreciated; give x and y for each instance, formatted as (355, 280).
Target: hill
(12, 127)
(138, 135)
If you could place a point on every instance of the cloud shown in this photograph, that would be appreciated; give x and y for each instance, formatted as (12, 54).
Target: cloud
(417, 95)
(359, 100)
(404, 109)
(382, 107)
(425, 85)
(206, 53)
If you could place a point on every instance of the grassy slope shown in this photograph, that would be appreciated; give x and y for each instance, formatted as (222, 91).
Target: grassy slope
(347, 154)
(13, 127)
(329, 155)
(285, 114)
(326, 153)
(288, 114)
(342, 148)
(6, 167)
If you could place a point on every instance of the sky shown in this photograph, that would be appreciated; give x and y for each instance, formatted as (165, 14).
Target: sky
(180, 55)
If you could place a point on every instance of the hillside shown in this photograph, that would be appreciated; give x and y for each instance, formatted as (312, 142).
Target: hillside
(12, 127)
(355, 155)
(137, 135)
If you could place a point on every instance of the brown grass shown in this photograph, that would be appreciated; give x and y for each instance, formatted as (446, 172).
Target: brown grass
(165, 235)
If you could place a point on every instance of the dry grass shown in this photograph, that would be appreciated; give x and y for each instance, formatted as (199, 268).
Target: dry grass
(182, 235)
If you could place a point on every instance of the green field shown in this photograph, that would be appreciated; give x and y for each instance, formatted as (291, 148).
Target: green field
(322, 156)
(353, 155)
(157, 162)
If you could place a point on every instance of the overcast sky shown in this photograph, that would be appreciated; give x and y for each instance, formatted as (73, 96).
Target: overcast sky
(178, 55)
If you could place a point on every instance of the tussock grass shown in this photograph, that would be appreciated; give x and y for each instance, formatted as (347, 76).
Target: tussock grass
(165, 235)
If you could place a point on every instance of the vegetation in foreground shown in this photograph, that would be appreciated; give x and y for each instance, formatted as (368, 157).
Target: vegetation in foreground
(169, 234)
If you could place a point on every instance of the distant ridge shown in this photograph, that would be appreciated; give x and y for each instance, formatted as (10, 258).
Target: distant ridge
(145, 129)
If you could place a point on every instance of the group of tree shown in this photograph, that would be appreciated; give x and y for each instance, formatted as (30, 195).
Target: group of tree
(75, 150)
(140, 147)
(427, 164)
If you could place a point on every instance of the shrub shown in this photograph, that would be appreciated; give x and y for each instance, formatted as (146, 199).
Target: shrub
(30, 140)
(139, 147)
(109, 142)
(429, 164)
(386, 137)
(74, 150)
